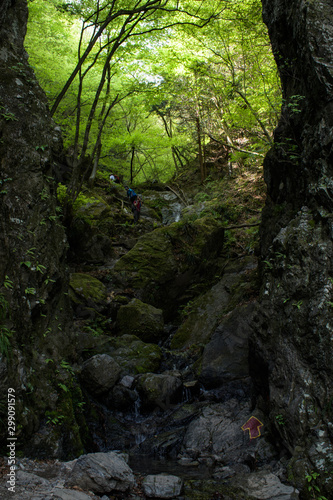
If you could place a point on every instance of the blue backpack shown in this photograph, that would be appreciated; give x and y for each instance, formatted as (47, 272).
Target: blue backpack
(131, 194)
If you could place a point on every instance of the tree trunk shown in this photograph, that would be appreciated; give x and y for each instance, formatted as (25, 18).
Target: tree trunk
(201, 158)
(132, 162)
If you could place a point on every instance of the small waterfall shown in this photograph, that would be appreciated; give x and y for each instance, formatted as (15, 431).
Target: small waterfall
(137, 406)
(172, 207)
(172, 213)
(140, 438)
(187, 394)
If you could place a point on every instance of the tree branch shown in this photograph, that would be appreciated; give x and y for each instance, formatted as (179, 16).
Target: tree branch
(234, 147)
(242, 225)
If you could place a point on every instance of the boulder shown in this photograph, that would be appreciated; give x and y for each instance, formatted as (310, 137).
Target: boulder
(140, 319)
(133, 355)
(101, 473)
(67, 494)
(217, 432)
(88, 244)
(207, 309)
(264, 485)
(159, 390)
(127, 381)
(92, 225)
(86, 292)
(151, 260)
(163, 263)
(100, 373)
(225, 357)
(162, 486)
(121, 398)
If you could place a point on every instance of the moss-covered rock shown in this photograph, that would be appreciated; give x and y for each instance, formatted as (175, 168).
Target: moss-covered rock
(164, 263)
(159, 390)
(63, 430)
(151, 260)
(140, 319)
(206, 310)
(100, 373)
(133, 355)
(89, 243)
(87, 290)
(92, 225)
(225, 357)
(207, 489)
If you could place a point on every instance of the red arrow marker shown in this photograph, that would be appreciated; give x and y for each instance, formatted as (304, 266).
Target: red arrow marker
(253, 426)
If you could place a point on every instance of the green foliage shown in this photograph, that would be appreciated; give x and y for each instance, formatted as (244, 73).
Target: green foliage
(5, 341)
(142, 117)
(6, 115)
(66, 366)
(52, 417)
(279, 419)
(294, 104)
(8, 283)
(81, 200)
(98, 326)
(6, 333)
(313, 487)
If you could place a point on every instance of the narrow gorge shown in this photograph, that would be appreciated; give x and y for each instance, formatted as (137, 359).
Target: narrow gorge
(187, 356)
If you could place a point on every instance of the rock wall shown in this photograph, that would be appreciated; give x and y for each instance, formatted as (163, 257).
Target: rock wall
(34, 315)
(291, 351)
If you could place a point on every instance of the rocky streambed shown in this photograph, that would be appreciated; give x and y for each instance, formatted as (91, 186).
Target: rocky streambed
(158, 401)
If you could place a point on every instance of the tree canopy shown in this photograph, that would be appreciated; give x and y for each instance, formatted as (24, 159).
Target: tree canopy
(144, 87)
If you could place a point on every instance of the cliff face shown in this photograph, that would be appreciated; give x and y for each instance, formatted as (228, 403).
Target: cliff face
(34, 314)
(292, 347)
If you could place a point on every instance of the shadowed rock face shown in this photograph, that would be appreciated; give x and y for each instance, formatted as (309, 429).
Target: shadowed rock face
(297, 168)
(291, 351)
(32, 240)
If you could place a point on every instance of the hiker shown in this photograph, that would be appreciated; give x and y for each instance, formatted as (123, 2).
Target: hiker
(131, 194)
(114, 178)
(136, 208)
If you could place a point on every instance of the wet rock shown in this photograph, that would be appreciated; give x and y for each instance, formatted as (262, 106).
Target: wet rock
(100, 373)
(225, 357)
(101, 473)
(159, 390)
(191, 388)
(160, 206)
(265, 486)
(164, 444)
(162, 486)
(140, 319)
(127, 381)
